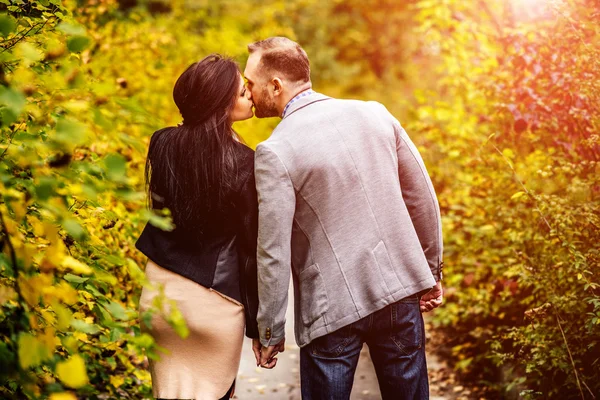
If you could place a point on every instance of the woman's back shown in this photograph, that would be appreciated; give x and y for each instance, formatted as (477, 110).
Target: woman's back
(220, 238)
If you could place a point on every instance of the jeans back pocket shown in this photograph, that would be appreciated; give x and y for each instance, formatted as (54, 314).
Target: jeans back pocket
(407, 325)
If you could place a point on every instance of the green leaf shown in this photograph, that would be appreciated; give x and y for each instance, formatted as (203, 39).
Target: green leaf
(117, 310)
(74, 278)
(162, 223)
(84, 327)
(71, 29)
(7, 24)
(7, 117)
(70, 132)
(45, 188)
(116, 166)
(116, 334)
(13, 100)
(77, 44)
(74, 229)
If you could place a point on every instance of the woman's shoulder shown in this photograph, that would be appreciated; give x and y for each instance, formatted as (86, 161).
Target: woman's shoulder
(245, 156)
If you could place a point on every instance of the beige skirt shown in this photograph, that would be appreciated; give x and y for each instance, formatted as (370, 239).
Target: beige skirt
(205, 364)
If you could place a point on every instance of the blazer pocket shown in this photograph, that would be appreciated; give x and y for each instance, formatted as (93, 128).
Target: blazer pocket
(313, 296)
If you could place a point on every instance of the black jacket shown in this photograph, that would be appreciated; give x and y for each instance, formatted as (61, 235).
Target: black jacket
(224, 258)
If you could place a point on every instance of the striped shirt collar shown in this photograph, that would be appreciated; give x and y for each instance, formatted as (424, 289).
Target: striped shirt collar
(300, 95)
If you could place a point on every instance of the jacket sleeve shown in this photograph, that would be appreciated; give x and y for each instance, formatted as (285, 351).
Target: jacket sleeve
(248, 231)
(420, 198)
(277, 205)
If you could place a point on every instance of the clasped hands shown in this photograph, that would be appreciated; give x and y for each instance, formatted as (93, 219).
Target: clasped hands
(265, 356)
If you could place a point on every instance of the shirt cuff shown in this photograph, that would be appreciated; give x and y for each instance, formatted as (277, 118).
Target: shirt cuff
(438, 274)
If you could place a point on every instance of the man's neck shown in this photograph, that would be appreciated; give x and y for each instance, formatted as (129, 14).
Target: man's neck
(302, 88)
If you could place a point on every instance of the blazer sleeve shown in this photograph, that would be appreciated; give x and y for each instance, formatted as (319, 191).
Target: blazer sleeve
(277, 205)
(420, 197)
(248, 231)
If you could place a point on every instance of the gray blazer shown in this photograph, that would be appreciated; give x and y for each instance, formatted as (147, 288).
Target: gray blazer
(347, 207)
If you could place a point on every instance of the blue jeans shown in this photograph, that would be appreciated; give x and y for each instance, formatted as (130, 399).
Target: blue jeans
(396, 339)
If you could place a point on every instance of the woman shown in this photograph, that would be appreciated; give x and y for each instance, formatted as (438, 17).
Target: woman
(203, 174)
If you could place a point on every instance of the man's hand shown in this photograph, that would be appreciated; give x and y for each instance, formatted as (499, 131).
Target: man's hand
(267, 354)
(256, 347)
(433, 298)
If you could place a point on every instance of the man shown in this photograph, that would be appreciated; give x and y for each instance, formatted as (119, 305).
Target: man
(347, 208)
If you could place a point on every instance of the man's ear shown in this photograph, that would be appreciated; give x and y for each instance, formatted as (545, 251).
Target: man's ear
(277, 86)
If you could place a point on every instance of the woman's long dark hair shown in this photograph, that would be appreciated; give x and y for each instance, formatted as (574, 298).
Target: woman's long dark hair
(191, 168)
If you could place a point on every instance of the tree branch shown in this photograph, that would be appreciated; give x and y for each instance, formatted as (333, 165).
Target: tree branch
(570, 355)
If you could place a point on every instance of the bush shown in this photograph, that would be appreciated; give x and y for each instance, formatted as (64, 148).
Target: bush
(513, 138)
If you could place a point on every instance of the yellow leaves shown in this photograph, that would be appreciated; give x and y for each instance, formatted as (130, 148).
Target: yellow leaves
(63, 292)
(63, 315)
(95, 240)
(37, 225)
(33, 287)
(177, 322)
(55, 256)
(6, 294)
(26, 252)
(77, 106)
(81, 337)
(76, 266)
(72, 372)
(28, 53)
(487, 228)
(517, 195)
(142, 374)
(62, 396)
(33, 350)
(71, 343)
(49, 339)
(117, 380)
(508, 153)
(11, 227)
(49, 317)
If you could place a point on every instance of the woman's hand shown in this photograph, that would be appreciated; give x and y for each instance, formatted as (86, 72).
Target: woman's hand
(256, 347)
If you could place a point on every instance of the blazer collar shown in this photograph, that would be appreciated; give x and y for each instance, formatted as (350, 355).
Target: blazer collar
(305, 101)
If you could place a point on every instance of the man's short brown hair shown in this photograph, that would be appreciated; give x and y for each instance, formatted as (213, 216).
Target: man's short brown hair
(282, 55)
